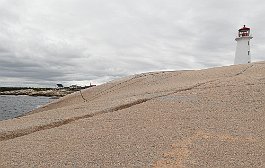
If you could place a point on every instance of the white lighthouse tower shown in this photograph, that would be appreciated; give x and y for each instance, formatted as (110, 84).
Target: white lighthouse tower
(243, 46)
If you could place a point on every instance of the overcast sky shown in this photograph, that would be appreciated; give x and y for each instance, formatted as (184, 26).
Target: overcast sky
(44, 42)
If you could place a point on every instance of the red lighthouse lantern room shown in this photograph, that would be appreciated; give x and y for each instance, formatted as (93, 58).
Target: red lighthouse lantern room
(244, 31)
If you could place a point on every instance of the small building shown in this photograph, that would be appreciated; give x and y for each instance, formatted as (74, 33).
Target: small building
(60, 86)
(75, 87)
(89, 86)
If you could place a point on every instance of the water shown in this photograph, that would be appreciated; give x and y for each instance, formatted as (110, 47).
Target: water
(13, 106)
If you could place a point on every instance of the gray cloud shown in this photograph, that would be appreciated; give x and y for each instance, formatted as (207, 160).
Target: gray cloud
(43, 42)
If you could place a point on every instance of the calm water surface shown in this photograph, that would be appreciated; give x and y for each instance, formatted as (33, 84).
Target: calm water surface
(13, 106)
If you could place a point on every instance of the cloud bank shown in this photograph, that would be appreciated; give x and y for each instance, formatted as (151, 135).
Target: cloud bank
(44, 42)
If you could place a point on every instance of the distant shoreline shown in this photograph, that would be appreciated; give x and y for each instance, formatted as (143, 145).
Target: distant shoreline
(47, 92)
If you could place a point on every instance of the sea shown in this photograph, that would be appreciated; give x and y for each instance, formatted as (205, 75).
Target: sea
(13, 106)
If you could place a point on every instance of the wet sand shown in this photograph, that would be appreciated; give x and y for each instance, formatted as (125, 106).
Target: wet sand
(206, 118)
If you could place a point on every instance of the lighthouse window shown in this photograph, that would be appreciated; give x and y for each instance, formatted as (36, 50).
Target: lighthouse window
(248, 52)
(248, 42)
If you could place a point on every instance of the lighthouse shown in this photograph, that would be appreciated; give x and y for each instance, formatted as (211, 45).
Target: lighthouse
(243, 46)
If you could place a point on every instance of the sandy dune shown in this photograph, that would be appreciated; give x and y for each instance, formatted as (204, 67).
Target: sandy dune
(206, 118)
